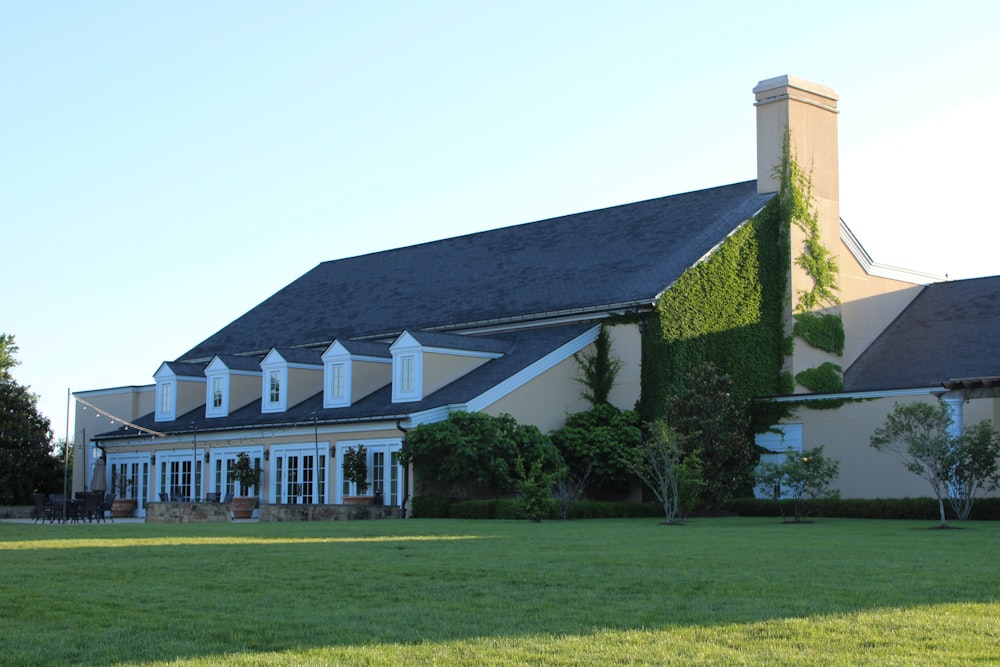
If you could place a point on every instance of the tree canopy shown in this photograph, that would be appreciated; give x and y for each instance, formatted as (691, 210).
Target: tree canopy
(26, 460)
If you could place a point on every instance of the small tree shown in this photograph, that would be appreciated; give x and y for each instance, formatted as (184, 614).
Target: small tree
(534, 489)
(917, 434)
(599, 370)
(658, 463)
(356, 468)
(245, 473)
(569, 490)
(975, 466)
(803, 477)
(594, 444)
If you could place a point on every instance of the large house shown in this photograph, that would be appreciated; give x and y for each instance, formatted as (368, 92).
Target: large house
(359, 350)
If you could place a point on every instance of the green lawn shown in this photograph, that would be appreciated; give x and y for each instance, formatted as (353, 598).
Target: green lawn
(714, 591)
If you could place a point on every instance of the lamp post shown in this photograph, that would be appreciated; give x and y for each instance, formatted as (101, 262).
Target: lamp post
(316, 472)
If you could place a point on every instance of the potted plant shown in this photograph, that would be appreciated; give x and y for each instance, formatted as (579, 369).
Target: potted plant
(355, 465)
(123, 505)
(246, 474)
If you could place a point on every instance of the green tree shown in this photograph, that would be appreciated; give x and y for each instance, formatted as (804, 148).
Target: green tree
(599, 441)
(803, 477)
(7, 351)
(472, 453)
(27, 462)
(975, 466)
(658, 463)
(956, 467)
(716, 427)
(599, 370)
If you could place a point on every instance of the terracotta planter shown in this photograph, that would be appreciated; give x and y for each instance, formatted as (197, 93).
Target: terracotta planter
(122, 508)
(359, 500)
(243, 506)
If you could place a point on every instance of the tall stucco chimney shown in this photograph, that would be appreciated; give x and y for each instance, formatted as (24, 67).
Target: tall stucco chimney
(809, 111)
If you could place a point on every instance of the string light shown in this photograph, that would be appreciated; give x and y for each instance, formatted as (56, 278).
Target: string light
(113, 418)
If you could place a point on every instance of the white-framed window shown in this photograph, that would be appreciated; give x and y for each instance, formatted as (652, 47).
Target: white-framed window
(406, 377)
(274, 387)
(336, 373)
(223, 460)
(777, 443)
(165, 401)
(180, 474)
(275, 394)
(137, 469)
(300, 473)
(385, 472)
(216, 393)
(407, 369)
(217, 398)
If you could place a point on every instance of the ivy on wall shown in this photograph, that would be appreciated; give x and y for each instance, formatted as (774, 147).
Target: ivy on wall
(824, 379)
(823, 331)
(730, 309)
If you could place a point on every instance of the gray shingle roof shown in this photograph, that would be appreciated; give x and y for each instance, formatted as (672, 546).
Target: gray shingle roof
(950, 330)
(620, 255)
(524, 347)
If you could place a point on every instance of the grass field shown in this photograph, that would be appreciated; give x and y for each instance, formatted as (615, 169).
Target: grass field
(712, 592)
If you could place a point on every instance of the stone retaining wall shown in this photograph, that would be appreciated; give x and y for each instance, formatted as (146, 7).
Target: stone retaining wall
(219, 512)
(327, 512)
(17, 511)
(187, 513)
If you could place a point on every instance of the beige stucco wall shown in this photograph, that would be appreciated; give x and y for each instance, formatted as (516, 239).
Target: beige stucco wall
(864, 472)
(128, 403)
(368, 376)
(546, 400)
(443, 369)
(303, 383)
(243, 389)
(190, 395)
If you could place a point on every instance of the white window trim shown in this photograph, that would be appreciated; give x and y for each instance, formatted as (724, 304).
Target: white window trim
(223, 409)
(166, 392)
(267, 405)
(329, 399)
(416, 390)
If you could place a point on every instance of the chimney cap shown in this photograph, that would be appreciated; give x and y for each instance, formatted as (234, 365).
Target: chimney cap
(782, 86)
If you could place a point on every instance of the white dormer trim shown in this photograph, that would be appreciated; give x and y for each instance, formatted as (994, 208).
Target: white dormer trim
(407, 369)
(274, 387)
(217, 389)
(168, 392)
(336, 376)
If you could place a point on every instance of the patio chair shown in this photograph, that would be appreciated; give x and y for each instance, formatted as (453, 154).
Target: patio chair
(105, 510)
(211, 497)
(229, 498)
(164, 497)
(43, 509)
(91, 505)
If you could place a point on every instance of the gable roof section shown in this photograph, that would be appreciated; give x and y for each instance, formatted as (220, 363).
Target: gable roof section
(619, 256)
(950, 330)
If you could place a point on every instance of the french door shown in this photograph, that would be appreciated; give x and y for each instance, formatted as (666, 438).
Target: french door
(299, 474)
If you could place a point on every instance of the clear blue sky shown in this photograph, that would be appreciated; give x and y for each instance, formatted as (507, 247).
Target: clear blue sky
(166, 166)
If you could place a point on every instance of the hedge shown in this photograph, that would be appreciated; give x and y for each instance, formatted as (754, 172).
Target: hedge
(427, 507)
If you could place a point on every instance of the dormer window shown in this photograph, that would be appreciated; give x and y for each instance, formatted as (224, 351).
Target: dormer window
(406, 383)
(273, 397)
(165, 401)
(407, 369)
(335, 388)
(217, 392)
(352, 370)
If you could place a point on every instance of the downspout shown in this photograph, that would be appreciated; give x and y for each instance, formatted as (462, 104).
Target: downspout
(406, 473)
